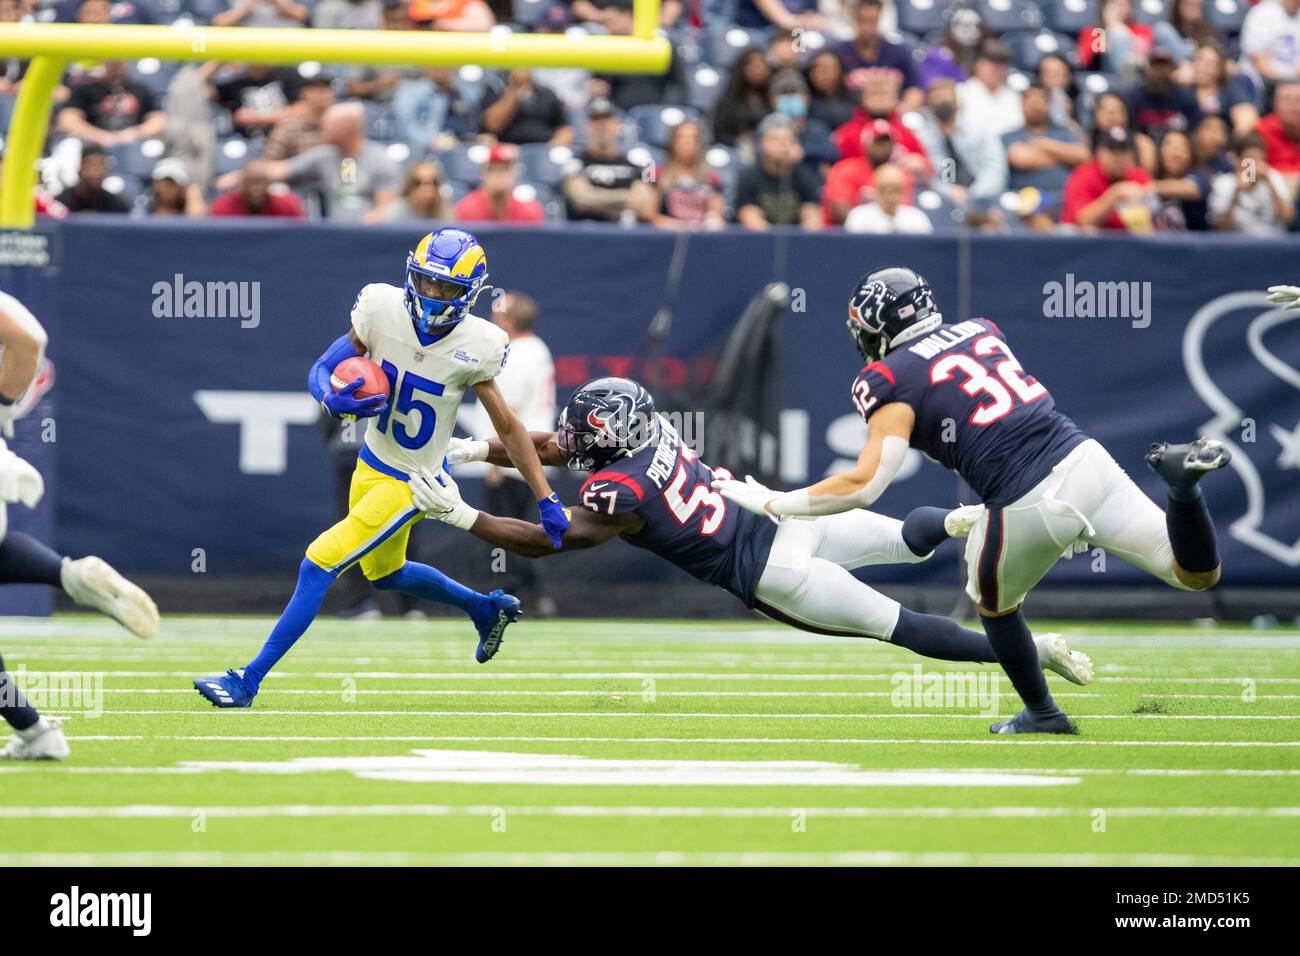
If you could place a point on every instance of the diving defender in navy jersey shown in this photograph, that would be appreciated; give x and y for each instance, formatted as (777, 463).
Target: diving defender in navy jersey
(650, 488)
(957, 393)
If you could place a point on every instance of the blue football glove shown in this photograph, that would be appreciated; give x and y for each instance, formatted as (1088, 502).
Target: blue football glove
(555, 518)
(343, 403)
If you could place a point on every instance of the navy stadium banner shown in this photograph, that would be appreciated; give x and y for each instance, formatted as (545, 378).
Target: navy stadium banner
(186, 438)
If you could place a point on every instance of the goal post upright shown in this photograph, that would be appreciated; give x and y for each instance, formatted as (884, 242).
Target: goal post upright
(51, 46)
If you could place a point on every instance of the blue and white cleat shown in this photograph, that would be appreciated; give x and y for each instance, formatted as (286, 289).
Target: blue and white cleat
(492, 624)
(1025, 723)
(227, 691)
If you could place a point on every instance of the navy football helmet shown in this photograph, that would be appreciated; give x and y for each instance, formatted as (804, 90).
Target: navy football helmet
(606, 419)
(889, 307)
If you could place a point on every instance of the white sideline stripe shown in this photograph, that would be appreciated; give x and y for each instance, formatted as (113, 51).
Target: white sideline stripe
(1072, 772)
(665, 673)
(665, 858)
(990, 741)
(631, 692)
(156, 811)
(253, 712)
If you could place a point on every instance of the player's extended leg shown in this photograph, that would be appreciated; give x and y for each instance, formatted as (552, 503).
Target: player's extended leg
(89, 581)
(807, 584)
(35, 737)
(388, 569)
(1187, 519)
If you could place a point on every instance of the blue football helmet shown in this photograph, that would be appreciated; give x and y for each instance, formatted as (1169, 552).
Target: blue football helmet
(606, 419)
(444, 275)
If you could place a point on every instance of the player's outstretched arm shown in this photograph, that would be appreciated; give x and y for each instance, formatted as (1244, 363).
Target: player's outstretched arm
(523, 455)
(859, 487)
(492, 451)
(23, 342)
(438, 497)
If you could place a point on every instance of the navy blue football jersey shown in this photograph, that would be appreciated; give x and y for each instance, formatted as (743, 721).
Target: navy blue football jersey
(978, 411)
(686, 521)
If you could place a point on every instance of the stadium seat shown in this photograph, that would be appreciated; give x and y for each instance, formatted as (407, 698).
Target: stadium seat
(379, 122)
(1003, 15)
(943, 214)
(458, 164)
(547, 165)
(654, 123)
(734, 42)
(1152, 11)
(7, 104)
(202, 11)
(552, 202)
(136, 159)
(1070, 16)
(154, 74)
(703, 83)
(1091, 87)
(233, 152)
(923, 16)
(1227, 15)
(1029, 47)
(527, 12)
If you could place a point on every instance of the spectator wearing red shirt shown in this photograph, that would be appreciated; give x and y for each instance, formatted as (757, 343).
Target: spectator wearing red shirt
(880, 102)
(1281, 132)
(1112, 191)
(253, 197)
(495, 199)
(851, 182)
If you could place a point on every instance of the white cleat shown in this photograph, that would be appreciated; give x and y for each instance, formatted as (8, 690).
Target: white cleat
(44, 741)
(92, 582)
(959, 521)
(1055, 655)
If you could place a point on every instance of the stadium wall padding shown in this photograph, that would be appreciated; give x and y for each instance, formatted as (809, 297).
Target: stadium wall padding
(150, 482)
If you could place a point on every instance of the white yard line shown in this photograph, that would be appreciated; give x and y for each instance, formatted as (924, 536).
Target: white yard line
(1056, 741)
(663, 858)
(158, 811)
(650, 714)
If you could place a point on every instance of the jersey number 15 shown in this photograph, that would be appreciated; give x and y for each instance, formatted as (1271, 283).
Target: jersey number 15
(407, 403)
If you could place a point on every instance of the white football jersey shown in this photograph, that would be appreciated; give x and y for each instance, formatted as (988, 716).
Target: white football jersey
(427, 381)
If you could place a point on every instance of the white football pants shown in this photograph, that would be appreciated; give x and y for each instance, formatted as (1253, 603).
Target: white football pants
(807, 583)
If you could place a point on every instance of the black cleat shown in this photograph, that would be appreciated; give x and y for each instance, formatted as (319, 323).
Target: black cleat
(1182, 466)
(1026, 723)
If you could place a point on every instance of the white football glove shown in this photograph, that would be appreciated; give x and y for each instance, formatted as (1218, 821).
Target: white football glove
(1286, 296)
(460, 451)
(749, 494)
(19, 481)
(438, 497)
(7, 415)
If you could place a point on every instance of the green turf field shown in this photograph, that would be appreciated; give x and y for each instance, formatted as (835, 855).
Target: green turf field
(652, 742)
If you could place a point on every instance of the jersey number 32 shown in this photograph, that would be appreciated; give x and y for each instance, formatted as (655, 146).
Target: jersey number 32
(1004, 386)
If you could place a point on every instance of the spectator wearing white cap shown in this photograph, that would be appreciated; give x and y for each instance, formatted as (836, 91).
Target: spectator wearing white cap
(171, 193)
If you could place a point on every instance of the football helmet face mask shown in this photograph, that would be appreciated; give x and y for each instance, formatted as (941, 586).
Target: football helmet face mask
(889, 307)
(445, 273)
(604, 420)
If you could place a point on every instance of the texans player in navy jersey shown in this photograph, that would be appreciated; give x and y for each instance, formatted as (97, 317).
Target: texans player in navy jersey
(957, 393)
(651, 489)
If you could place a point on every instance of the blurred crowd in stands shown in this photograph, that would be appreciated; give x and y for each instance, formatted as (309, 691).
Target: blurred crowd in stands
(903, 116)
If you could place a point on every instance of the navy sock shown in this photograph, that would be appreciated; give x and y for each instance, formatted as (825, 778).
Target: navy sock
(1191, 533)
(24, 560)
(421, 580)
(14, 708)
(313, 582)
(1014, 646)
(941, 638)
(923, 529)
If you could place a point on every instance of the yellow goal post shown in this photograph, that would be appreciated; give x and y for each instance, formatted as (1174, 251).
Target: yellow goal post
(52, 46)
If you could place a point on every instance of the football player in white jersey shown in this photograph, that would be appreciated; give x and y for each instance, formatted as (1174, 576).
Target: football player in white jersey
(24, 560)
(431, 349)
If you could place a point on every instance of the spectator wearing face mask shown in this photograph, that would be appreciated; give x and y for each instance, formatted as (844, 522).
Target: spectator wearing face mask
(790, 97)
(953, 57)
(970, 163)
